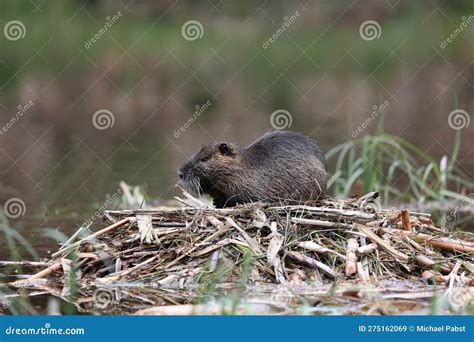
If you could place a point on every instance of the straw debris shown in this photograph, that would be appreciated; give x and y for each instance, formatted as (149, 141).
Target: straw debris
(326, 243)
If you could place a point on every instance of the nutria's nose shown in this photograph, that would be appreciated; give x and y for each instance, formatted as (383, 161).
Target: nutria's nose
(180, 175)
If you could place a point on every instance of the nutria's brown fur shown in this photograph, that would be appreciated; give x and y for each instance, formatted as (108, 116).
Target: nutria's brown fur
(279, 167)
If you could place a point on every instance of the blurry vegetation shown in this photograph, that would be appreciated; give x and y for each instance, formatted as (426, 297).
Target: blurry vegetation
(148, 37)
(384, 162)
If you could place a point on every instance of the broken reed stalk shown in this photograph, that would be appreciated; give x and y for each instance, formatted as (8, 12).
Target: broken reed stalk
(351, 258)
(314, 247)
(379, 241)
(321, 223)
(443, 243)
(24, 263)
(406, 220)
(424, 261)
(303, 259)
(95, 235)
(367, 249)
(41, 274)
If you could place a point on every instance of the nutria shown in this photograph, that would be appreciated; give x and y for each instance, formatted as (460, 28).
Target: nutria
(279, 167)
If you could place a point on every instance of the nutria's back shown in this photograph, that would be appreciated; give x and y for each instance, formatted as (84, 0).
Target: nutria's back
(279, 167)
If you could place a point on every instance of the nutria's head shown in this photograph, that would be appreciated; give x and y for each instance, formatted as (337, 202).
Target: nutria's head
(205, 171)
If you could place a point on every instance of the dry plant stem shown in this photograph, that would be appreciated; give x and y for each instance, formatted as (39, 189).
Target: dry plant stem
(253, 244)
(453, 245)
(424, 261)
(96, 234)
(320, 223)
(406, 220)
(430, 275)
(379, 241)
(41, 274)
(330, 212)
(351, 258)
(303, 259)
(24, 263)
(361, 273)
(314, 247)
(367, 249)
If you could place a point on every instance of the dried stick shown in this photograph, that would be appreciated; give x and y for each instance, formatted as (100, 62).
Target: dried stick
(41, 274)
(96, 234)
(303, 259)
(424, 261)
(367, 249)
(406, 220)
(452, 245)
(24, 263)
(354, 215)
(379, 241)
(314, 247)
(320, 223)
(351, 258)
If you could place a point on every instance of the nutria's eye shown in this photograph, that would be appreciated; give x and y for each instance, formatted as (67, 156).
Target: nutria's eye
(224, 149)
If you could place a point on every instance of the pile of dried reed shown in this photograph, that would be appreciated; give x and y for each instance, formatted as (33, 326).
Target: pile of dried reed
(328, 242)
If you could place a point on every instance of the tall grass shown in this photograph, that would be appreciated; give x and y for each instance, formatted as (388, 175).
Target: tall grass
(400, 171)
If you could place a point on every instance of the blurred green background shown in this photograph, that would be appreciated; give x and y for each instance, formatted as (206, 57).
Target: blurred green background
(144, 71)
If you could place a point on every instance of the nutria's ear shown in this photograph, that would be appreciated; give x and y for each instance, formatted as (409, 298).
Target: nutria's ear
(226, 149)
